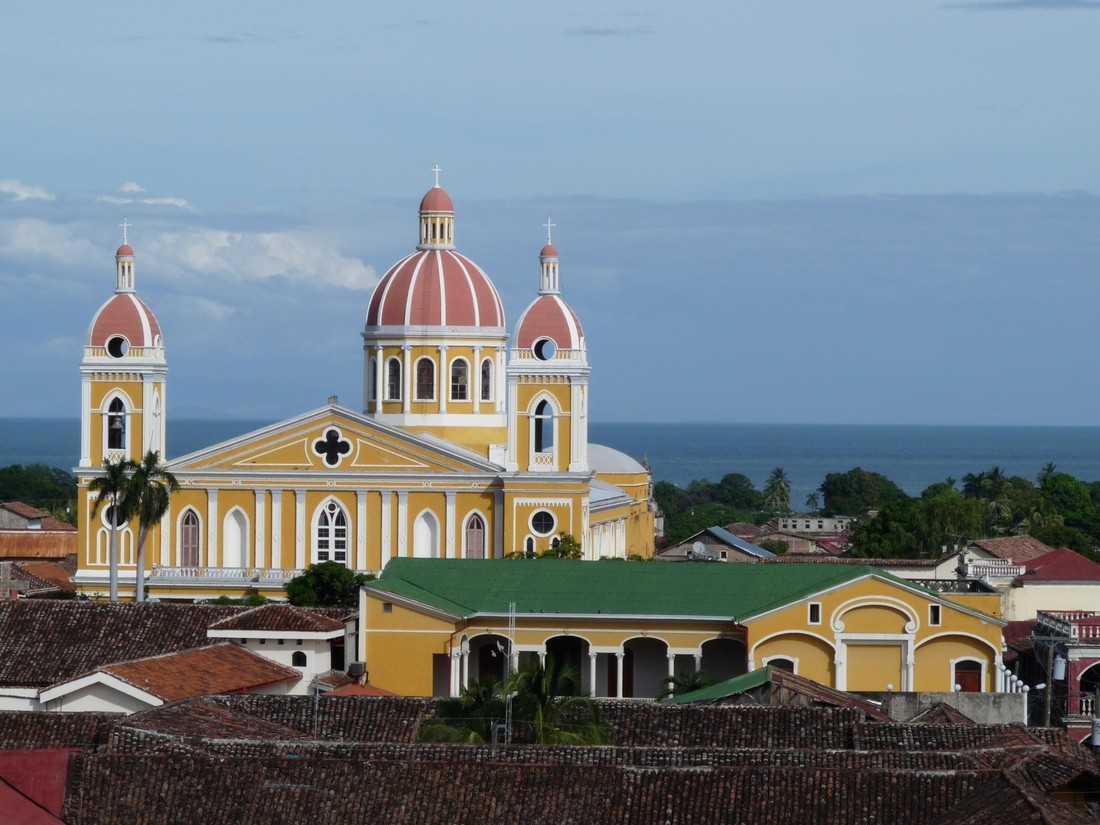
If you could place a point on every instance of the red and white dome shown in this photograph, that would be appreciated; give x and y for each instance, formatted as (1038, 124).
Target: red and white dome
(125, 315)
(549, 317)
(436, 286)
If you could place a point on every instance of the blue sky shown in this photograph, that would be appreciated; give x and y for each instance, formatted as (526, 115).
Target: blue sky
(836, 212)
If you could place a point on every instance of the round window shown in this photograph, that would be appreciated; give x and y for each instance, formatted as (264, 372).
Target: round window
(108, 515)
(545, 349)
(542, 522)
(117, 346)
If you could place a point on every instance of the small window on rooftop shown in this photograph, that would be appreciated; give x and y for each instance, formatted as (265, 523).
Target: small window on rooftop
(282, 641)
(298, 659)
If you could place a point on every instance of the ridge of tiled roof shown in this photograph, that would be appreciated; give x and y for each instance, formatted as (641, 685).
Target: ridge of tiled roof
(206, 716)
(279, 617)
(1019, 549)
(44, 641)
(217, 668)
(43, 576)
(23, 510)
(941, 713)
(23, 730)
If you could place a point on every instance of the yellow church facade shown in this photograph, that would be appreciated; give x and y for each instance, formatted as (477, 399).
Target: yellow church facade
(433, 628)
(471, 443)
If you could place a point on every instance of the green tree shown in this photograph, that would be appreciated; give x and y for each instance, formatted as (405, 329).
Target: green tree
(326, 584)
(686, 682)
(857, 491)
(112, 487)
(813, 502)
(548, 708)
(47, 488)
(777, 546)
(565, 547)
(777, 490)
(150, 494)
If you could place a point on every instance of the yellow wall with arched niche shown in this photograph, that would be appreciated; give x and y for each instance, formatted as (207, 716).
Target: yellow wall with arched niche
(874, 618)
(933, 661)
(814, 656)
(527, 395)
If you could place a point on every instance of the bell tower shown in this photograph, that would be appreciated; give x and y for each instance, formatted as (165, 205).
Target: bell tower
(123, 375)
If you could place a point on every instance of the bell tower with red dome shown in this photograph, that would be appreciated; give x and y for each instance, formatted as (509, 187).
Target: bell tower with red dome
(123, 375)
(548, 381)
(434, 340)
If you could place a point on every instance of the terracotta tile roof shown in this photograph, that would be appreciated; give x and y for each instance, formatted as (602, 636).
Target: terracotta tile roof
(745, 530)
(43, 576)
(220, 668)
(1061, 565)
(279, 617)
(208, 716)
(44, 641)
(20, 729)
(37, 544)
(356, 689)
(23, 510)
(884, 564)
(1019, 549)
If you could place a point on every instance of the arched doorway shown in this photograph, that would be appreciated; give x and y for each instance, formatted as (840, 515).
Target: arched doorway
(645, 669)
(724, 658)
(426, 536)
(967, 676)
(489, 658)
(234, 539)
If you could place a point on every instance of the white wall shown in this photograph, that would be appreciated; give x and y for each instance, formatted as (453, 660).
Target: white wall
(1023, 603)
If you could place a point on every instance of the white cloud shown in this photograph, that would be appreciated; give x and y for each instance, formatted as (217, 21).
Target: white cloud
(130, 186)
(161, 201)
(24, 192)
(258, 256)
(39, 239)
(205, 308)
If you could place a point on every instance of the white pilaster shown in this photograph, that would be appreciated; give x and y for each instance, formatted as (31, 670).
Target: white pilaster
(276, 528)
(406, 379)
(360, 529)
(402, 524)
(212, 529)
(260, 552)
(475, 380)
(498, 524)
(384, 526)
(300, 529)
(444, 378)
(450, 551)
(85, 421)
(379, 377)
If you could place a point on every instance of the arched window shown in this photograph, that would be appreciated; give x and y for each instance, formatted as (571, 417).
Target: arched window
(475, 537)
(544, 427)
(460, 380)
(372, 380)
(116, 425)
(782, 663)
(426, 536)
(331, 537)
(487, 380)
(234, 538)
(189, 539)
(529, 548)
(298, 659)
(393, 380)
(425, 380)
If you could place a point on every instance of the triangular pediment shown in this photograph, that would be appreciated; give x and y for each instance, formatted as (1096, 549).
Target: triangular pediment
(332, 440)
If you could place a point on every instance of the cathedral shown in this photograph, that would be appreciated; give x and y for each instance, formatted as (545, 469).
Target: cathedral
(470, 444)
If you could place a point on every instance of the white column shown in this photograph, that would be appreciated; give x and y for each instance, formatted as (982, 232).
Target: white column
(451, 551)
(165, 537)
(402, 524)
(276, 528)
(592, 674)
(698, 662)
(454, 673)
(300, 529)
(498, 524)
(260, 554)
(384, 525)
(379, 377)
(444, 378)
(672, 664)
(86, 421)
(465, 667)
(512, 460)
(499, 377)
(619, 671)
(360, 529)
(406, 380)
(475, 379)
(212, 528)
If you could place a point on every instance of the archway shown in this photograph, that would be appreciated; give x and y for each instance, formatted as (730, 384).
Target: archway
(426, 536)
(645, 670)
(234, 538)
(489, 658)
(724, 658)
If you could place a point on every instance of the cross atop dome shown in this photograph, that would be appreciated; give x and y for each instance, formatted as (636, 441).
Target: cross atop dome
(437, 170)
(549, 225)
(125, 225)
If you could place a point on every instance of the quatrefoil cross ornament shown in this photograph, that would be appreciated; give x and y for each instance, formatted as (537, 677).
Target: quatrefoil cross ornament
(332, 447)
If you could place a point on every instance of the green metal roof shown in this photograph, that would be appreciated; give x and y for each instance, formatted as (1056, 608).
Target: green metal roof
(741, 591)
(722, 690)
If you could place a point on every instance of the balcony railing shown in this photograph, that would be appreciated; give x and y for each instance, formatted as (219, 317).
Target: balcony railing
(262, 575)
(994, 569)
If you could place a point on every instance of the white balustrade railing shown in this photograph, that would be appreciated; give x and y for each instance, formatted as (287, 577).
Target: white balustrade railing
(226, 574)
(994, 569)
(543, 460)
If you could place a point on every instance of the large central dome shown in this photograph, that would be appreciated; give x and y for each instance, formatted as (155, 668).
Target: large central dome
(436, 286)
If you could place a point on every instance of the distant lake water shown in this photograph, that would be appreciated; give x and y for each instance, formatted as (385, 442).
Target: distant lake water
(911, 456)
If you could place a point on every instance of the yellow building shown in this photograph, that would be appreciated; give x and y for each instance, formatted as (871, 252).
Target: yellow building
(434, 627)
(469, 445)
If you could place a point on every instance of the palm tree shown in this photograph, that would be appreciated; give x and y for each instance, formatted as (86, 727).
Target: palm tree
(685, 683)
(813, 502)
(151, 488)
(777, 490)
(467, 718)
(113, 487)
(549, 708)
(1046, 473)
